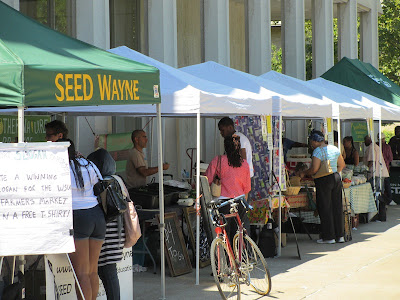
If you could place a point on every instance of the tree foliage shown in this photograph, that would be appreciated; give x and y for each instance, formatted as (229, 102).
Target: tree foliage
(389, 36)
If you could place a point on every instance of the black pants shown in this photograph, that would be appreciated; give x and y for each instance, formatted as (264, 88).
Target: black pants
(109, 276)
(231, 226)
(387, 189)
(330, 206)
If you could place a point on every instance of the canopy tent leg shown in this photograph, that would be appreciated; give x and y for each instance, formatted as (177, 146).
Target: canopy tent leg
(280, 188)
(380, 154)
(75, 277)
(197, 201)
(21, 139)
(161, 200)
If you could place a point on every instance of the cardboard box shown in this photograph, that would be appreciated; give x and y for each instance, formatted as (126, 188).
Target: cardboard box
(299, 200)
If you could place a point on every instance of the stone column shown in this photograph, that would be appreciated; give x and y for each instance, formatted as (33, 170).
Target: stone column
(93, 22)
(13, 3)
(369, 35)
(347, 29)
(322, 40)
(293, 38)
(163, 31)
(259, 36)
(216, 31)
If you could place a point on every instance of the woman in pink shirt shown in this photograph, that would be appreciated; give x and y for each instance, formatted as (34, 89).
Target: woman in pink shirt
(234, 174)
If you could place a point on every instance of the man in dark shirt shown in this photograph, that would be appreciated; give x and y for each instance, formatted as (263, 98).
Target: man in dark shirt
(395, 143)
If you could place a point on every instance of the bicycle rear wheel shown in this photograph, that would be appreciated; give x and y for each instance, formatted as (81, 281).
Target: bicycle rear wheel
(253, 266)
(224, 270)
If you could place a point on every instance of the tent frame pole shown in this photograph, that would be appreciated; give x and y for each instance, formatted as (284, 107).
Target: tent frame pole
(161, 200)
(279, 252)
(198, 200)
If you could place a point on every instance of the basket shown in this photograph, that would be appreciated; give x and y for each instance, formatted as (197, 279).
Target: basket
(295, 181)
(292, 190)
(346, 185)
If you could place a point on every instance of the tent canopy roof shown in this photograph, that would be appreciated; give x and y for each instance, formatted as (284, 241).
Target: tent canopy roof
(183, 95)
(343, 106)
(363, 77)
(287, 101)
(42, 67)
(381, 109)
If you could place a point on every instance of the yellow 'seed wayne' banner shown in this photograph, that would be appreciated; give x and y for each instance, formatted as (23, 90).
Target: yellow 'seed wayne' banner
(35, 199)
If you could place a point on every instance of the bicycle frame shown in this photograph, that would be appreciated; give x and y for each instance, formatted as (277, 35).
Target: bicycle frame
(221, 231)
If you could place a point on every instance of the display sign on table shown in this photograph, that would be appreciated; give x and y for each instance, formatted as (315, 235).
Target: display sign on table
(60, 282)
(118, 144)
(35, 202)
(358, 131)
(34, 128)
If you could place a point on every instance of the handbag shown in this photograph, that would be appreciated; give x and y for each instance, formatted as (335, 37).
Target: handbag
(132, 226)
(112, 196)
(325, 168)
(216, 184)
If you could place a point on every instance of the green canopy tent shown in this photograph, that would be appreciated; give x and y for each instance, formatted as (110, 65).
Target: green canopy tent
(363, 77)
(40, 67)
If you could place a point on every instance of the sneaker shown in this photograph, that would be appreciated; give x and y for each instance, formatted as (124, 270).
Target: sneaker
(392, 203)
(341, 240)
(321, 241)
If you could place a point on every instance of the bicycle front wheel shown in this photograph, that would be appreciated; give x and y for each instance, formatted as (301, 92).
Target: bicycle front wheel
(253, 266)
(224, 270)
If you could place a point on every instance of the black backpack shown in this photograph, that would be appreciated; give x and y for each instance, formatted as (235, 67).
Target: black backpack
(112, 196)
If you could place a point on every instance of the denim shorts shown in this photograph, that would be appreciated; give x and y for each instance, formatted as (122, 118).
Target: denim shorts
(89, 223)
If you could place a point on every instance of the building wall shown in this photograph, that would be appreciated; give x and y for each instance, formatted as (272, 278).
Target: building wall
(237, 34)
(130, 27)
(189, 32)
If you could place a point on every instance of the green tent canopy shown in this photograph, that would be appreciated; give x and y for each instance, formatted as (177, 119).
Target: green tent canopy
(363, 77)
(42, 67)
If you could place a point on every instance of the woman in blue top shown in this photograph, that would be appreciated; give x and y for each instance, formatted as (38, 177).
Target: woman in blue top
(329, 189)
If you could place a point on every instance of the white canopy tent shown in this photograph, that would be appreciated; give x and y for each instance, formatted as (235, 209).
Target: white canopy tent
(292, 102)
(344, 107)
(382, 110)
(182, 95)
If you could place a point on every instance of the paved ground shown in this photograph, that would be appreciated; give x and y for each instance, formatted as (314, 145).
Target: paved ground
(366, 268)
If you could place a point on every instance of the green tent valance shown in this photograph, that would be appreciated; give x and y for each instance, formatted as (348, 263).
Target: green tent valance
(363, 77)
(42, 67)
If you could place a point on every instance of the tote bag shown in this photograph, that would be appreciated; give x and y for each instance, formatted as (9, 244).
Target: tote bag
(325, 168)
(216, 184)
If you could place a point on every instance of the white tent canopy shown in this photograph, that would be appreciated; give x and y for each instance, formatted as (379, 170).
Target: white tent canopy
(291, 102)
(382, 110)
(344, 107)
(182, 95)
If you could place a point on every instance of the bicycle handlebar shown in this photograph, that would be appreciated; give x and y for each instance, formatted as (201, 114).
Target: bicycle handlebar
(222, 202)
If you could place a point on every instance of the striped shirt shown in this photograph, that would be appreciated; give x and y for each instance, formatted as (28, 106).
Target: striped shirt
(111, 251)
(328, 152)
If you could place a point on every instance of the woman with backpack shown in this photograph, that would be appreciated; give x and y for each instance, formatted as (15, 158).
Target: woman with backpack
(88, 221)
(111, 251)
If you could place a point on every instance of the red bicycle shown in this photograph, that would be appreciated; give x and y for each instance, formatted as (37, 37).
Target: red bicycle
(242, 264)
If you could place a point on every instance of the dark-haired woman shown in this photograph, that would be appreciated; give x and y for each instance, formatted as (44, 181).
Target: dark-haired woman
(89, 223)
(352, 156)
(111, 251)
(329, 189)
(234, 173)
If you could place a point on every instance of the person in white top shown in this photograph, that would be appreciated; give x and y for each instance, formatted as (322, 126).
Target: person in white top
(226, 128)
(88, 221)
(368, 159)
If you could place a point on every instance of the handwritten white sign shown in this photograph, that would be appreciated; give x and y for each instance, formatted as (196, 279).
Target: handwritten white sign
(60, 282)
(35, 199)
